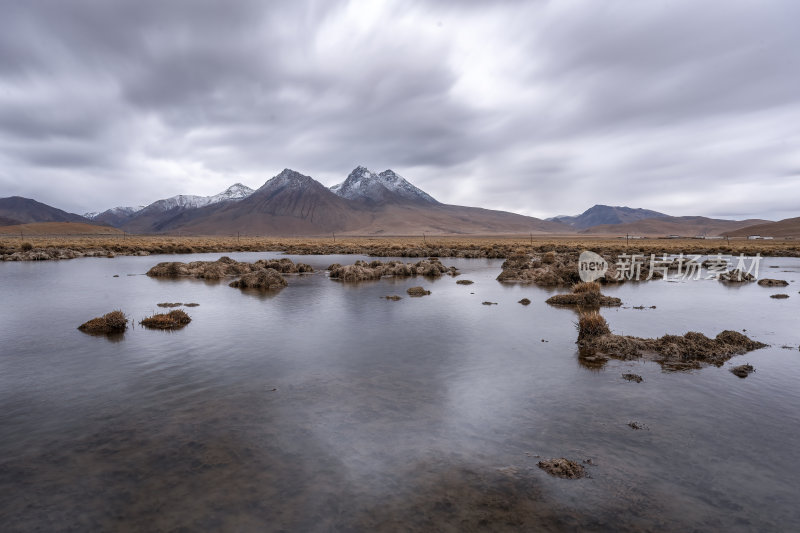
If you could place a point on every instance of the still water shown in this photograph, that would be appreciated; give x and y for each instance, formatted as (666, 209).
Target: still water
(325, 407)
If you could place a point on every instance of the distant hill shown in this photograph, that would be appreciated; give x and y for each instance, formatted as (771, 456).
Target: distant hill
(24, 210)
(5, 221)
(788, 227)
(606, 214)
(157, 215)
(58, 228)
(683, 226)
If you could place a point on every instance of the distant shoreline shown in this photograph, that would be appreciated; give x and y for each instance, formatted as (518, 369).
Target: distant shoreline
(55, 247)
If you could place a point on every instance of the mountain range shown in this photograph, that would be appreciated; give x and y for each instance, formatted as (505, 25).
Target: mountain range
(365, 203)
(606, 214)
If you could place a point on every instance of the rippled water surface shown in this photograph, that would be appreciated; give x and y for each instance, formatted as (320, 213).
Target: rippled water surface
(325, 407)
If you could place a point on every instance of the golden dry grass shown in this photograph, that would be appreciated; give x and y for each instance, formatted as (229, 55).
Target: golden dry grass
(499, 246)
(58, 228)
(173, 320)
(113, 322)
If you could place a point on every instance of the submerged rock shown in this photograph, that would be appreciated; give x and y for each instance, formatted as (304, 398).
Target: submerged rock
(113, 322)
(633, 377)
(524, 301)
(563, 468)
(264, 279)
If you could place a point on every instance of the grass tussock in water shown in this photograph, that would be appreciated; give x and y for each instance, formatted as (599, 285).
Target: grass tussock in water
(175, 319)
(563, 468)
(225, 267)
(364, 271)
(113, 322)
(266, 279)
(585, 294)
(768, 282)
(465, 282)
(672, 352)
(170, 304)
(743, 370)
(417, 292)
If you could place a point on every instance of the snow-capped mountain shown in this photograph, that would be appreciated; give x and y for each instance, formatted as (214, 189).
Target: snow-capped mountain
(363, 184)
(236, 191)
(115, 211)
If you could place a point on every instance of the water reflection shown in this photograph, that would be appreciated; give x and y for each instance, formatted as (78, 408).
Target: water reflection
(323, 406)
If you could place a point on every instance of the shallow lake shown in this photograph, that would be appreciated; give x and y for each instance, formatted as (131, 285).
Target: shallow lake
(325, 407)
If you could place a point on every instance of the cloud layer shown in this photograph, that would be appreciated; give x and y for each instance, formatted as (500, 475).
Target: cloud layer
(536, 107)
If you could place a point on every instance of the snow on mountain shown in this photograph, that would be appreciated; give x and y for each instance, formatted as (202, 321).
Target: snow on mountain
(399, 185)
(117, 211)
(235, 192)
(362, 183)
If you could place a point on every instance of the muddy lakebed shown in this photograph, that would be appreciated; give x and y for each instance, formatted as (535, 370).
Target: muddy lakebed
(324, 406)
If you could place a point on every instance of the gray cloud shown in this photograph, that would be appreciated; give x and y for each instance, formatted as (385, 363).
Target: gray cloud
(537, 107)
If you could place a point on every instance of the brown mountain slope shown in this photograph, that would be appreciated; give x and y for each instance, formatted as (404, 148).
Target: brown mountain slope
(684, 226)
(25, 210)
(788, 227)
(58, 228)
(413, 219)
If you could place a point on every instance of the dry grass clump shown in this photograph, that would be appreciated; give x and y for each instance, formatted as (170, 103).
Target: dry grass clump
(592, 325)
(475, 246)
(225, 267)
(736, 276)
(363, 271)
(555, 270)
(767, 282)
(743, 370)
(585, 294)
(170, 304)
(393, 297)
(417, 292)
(563, 468)
(586, 286)
(779, 296)
(113, 322)
(192, 305)
(636, 378)
(175, 319)
(464, 282)
(264, 279)
(673, 352)
(525, 301)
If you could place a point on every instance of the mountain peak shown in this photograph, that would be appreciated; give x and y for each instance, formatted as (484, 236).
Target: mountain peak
(600, 214)
(363, 184)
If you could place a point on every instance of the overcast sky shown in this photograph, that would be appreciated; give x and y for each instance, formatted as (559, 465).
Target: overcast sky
(542, 108)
